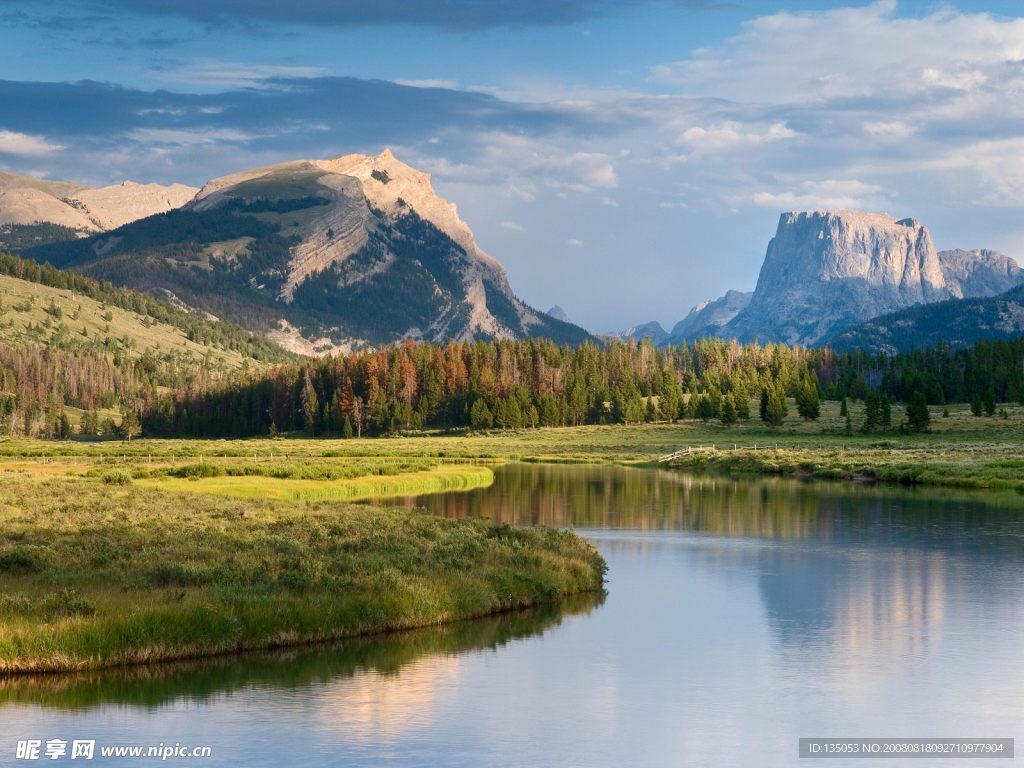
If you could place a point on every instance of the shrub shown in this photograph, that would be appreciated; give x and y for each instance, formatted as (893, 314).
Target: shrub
(116, 477)
(67, 602)
(17, 561)
(196, 471)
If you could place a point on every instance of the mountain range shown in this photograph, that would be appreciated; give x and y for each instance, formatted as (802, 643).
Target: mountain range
(319, 255)
(357, 251)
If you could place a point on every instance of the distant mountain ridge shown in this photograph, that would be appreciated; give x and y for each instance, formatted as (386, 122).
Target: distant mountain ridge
(652, 330)
(957, 322)
(320, 255)
(28, 201)
(708, 317)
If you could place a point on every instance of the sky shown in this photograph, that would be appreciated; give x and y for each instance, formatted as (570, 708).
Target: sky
(625, 159)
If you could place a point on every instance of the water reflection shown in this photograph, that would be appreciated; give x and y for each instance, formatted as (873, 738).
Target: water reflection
(607, 497)
(842, 570)
(419, 658)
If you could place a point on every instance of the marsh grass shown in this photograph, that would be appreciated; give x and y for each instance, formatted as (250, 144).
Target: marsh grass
(94, 576)
(358, 488)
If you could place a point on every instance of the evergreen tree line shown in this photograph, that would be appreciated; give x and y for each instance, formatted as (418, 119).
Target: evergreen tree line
(519, 384)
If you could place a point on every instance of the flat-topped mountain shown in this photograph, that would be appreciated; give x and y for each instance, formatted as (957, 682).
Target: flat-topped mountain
(321, 255)
(825, 271)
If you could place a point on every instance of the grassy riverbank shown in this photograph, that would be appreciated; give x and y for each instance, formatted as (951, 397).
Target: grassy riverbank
(94, 574)
(959, 450)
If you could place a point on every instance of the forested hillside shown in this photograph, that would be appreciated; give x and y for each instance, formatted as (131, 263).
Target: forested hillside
(67, 342)
(956, 322)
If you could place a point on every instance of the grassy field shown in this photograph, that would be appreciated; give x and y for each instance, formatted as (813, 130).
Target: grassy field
(959, 450)
(95, 574)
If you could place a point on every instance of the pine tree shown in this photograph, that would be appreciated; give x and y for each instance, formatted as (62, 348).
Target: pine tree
(872, 412)
(808, 404)
(844, 409)
(129, 424)
(918, 416)
(885, 420)
(728, 410)
(651, 411)
(741, 403)
(310, 406)
(990, 401)
(346, 428)
(480, 415)
(773, 405)
(976, 405)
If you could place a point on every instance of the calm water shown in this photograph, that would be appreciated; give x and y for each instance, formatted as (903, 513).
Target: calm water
(740, 615)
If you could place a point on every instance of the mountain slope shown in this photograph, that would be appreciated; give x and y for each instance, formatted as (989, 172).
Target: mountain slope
(651, 330)
(957, 322)
(47, 308)
(324, 254)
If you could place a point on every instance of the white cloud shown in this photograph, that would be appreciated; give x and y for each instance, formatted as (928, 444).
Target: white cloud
(188, 138)
(995, 165)
(818, 195)
(514, 226)
(522, 163)
(572, 242)
(26, 145)
(895, 129)
(430, 83)
(234, 74)
(853, 52)
(609, 202)
(732, 135)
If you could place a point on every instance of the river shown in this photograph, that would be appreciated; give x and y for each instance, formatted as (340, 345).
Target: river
(740, 615)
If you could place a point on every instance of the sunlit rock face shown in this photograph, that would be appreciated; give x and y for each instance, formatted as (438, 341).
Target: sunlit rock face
(826, 270)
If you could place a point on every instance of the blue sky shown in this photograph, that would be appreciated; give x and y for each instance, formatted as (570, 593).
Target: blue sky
(624, 158)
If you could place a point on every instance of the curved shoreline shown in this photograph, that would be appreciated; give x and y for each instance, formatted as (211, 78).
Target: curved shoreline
(97, 577)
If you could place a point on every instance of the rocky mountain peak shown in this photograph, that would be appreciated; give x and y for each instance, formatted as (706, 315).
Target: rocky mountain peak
(825, 270)
(895, 255)
(394, 187)
(329, 254)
